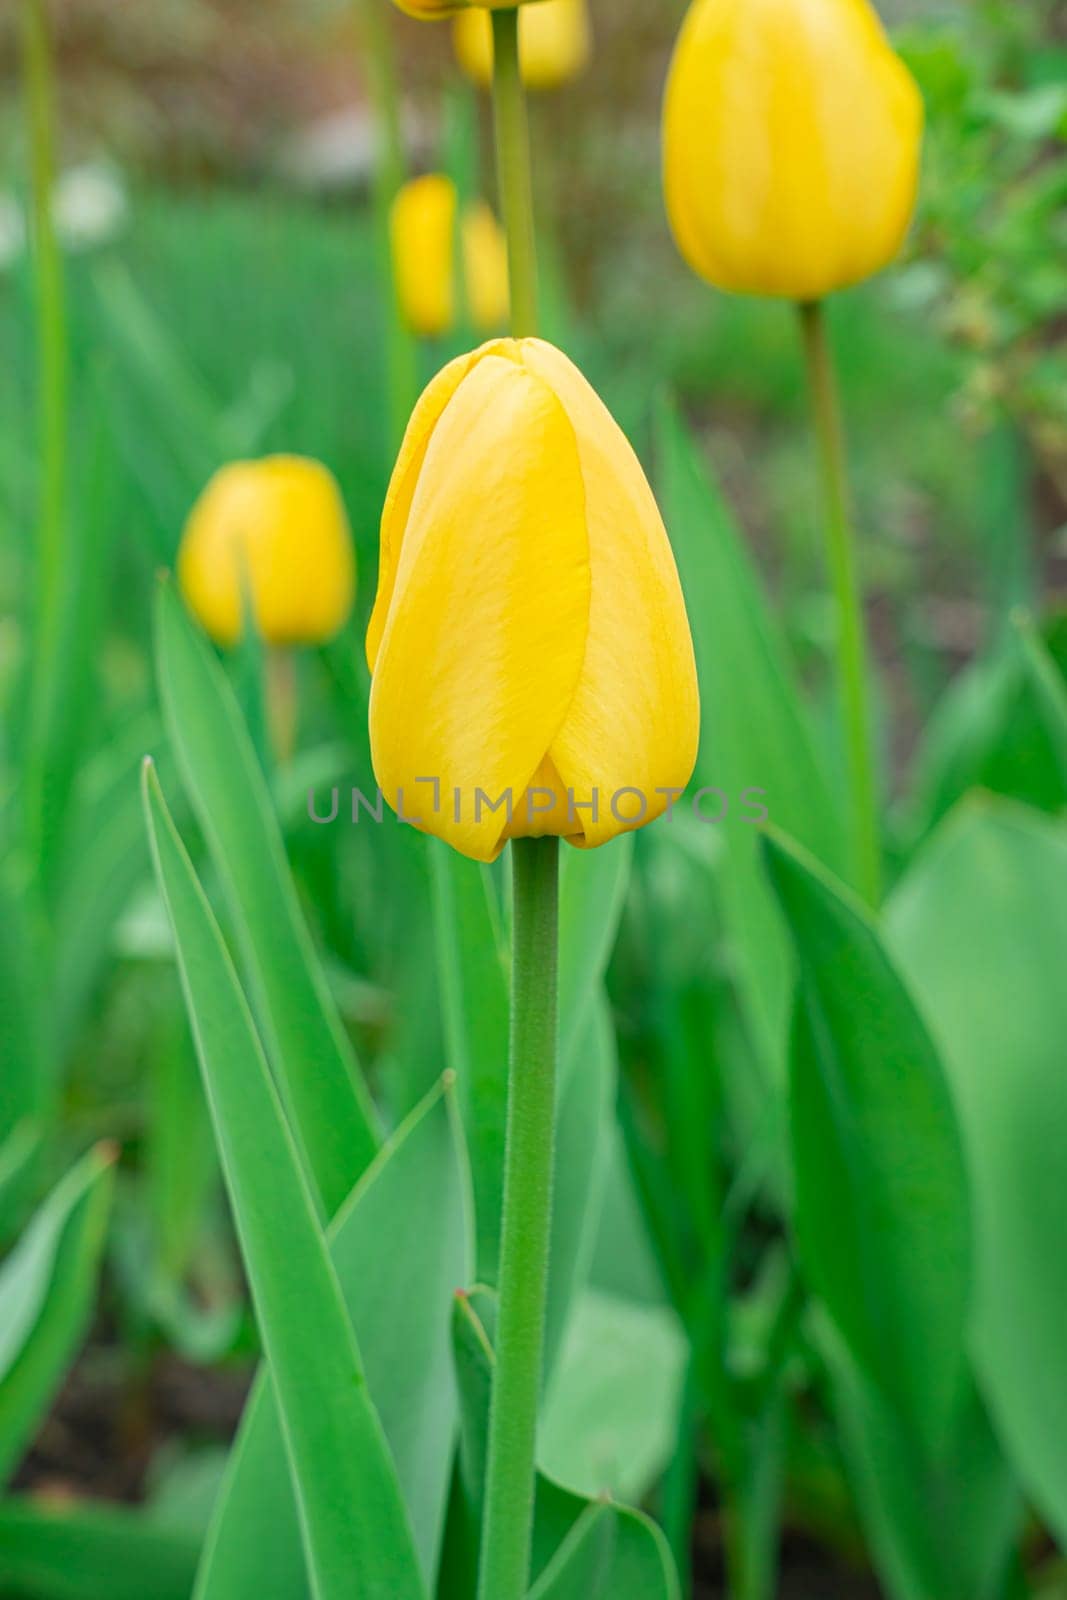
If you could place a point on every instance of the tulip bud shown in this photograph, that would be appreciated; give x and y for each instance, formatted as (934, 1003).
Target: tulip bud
(532, 665)
(276, 531)
(792, 136)
(422, 228)
(554, 43)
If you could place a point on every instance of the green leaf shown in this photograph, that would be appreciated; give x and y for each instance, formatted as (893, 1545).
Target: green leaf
(609, 1412)
(337, 1452)
(753, 731)
(611, 1553)
(24, 1088)
(592, 890)
(962, 1551)
(400, 1302)
(89, 1552)
(980, 927)
(328, 1104)
(881, 1192)
(47, 1292)
(474, 999)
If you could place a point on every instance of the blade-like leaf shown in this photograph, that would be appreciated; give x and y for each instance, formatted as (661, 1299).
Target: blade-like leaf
(753, 730)
(401, 1303)
(320, 1080)
(47, 1291)
(881, 1193)
(355, 1525)
(980, 927)
(89, 1552)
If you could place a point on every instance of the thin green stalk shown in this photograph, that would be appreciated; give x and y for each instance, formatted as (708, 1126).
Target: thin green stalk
(523, 1276)
(851, 639)
(390, 173)
(52, 397)
(513, 172)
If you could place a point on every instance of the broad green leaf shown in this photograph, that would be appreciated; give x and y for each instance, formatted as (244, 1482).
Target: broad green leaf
(400, 1301)
(474, 998)
(592, 889)
(611, 1553)
(882, 1217)
(610, 1408)
(18, 1153)
(584, 1121)
(338, 1455)
(92, 1551)
(321, 1083)
(1001, 725)
(47, 1293)
(753, 731)
(979, 925)
(941, 1524)
(24, 1089)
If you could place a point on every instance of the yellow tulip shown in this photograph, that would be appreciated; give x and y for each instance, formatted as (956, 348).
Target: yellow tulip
(529, 643)
(792, 136)
(554, 43)
(423, 234)
(277, 531)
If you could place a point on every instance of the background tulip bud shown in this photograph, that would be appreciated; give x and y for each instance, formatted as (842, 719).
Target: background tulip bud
(792, 137)
(422, 227)
(554, 43)
(529, 637)
(276, 529)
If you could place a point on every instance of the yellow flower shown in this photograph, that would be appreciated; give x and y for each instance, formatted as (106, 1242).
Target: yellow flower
(422, 229)
(554, 43)
(275, 530)
(529, 642)
(792, 137)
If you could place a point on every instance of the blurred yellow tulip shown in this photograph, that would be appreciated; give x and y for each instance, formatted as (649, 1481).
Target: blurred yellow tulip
(554, 43)
(423, 236)
(533, 667)
(792, 135)
(277, 531)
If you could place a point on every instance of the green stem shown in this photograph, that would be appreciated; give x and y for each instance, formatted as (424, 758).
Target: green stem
(390, 173)
(52, 395)
(513, 172)
(851, 640)
(523, 1275)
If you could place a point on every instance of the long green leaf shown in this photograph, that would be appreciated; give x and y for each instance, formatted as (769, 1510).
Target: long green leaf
(400, 1302)
(881, 1192)
(47, 1292)
(980, 927)
(355, 1526)
(320, 1080)
(753, 731)
(89, 1552)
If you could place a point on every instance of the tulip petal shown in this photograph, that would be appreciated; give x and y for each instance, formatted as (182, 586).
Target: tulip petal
(633, 721)
(487, 618)
(424, 419)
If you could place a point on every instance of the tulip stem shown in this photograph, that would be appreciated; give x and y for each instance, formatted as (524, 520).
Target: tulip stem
(524, 1244)
(851, 638)
(282, 701)
(512, 135)
(52, 397)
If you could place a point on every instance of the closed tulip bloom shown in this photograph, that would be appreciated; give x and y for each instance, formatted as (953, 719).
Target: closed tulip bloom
(422, 229)
(554, 43)
(529, 643)
(792, 136)
(276, 531)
